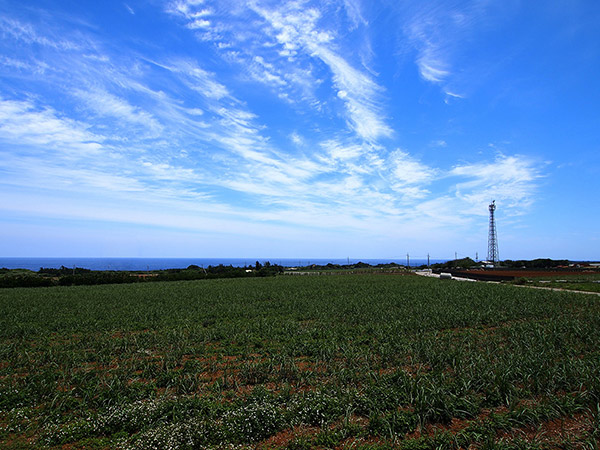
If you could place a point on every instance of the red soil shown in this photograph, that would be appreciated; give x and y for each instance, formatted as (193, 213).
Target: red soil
(527, 273)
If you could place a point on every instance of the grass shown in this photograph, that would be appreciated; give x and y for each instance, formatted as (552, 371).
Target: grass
(365, 361)
(588, 282)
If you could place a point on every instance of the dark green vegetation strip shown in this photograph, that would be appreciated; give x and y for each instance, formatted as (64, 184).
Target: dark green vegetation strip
(587, 282)
(47, 277)
(367, 362)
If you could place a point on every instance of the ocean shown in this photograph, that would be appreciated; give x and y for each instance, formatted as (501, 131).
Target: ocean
(181, 263)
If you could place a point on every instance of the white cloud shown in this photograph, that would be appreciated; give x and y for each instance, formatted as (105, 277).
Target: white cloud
(199, 23)
(296, 138)
(108, 105)
(423, 30)
(265, 72)
(453, 94)
(168, 172)
(353, 10)
(407, 170)
(21, 123)
(509, 179)
(280, 53)
(340, 152)
(27, 33)
(196, 144)
(361, 95)
(35, 67)
(437, 32)
(185, 8)
(295, 28)
(431, 68)
(197, 78)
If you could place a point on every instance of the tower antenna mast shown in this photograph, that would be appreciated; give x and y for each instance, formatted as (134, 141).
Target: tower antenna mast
(492, 255)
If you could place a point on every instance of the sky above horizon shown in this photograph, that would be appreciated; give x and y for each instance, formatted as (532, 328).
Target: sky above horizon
(323, 129)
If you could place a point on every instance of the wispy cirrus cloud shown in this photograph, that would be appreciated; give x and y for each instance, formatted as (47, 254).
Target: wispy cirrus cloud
(237, 34)
(200, 130)
(360, 94)
(509, 179)
(291, 43)
(22, 123)
(27, 33)
(410, 176)
(354, 11)
(53, 152)
(296, 29)
(190, 9)
(109, 105)
(436, 31)
(38, 67)
(196, 78)
(343, 181)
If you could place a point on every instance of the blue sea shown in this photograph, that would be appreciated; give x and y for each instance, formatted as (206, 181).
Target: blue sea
(181, 263)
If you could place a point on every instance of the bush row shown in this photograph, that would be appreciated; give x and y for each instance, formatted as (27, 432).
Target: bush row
(69, 277)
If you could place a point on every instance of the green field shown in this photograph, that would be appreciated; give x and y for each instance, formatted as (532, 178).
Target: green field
(581, 282)
(354, 361)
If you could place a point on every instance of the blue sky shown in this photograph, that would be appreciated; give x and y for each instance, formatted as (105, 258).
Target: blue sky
(258, 128)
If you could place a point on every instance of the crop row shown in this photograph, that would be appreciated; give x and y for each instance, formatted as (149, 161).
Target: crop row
(238, 362)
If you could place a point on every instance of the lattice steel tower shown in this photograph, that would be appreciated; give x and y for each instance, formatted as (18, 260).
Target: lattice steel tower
(492, 255)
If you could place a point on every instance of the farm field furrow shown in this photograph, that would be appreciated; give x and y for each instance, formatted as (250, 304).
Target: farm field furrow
(362, 362)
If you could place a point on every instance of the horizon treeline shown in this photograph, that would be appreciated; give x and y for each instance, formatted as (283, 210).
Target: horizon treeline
(64, 276)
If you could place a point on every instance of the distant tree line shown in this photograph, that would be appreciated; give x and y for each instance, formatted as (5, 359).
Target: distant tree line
(463, 263)
(47, 271)
(65, 276)
(358, 265)
(540, 263)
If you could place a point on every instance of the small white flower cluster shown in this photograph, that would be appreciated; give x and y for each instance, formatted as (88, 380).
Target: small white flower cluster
(55, 434)
(247, 423)
(11, 398)
(130, 418)
(133, 417)
(167, 437)
(15, 420)
(254, 421)
(314, 408)
(183, 422)
(188, 434)
(250, 422)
